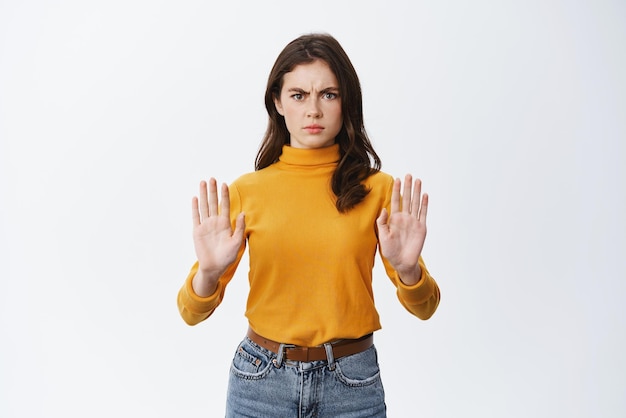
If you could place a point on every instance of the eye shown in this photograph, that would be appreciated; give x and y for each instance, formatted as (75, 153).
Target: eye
(330, 96)
(297, 96)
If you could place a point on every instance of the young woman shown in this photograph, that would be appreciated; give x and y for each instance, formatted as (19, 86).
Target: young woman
(313, 215)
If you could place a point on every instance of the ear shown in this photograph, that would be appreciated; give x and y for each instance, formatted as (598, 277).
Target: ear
(279, 106)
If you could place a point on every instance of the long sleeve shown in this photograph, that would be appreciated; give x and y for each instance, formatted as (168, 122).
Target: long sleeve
(310, 266)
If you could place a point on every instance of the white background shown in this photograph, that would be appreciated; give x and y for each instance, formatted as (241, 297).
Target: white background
(512, 113)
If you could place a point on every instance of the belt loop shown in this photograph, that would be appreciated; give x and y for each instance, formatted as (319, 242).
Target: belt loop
(278, 361)
(330, 356)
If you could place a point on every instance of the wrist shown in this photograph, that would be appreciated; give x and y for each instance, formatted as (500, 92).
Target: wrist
(210, 273)
(204, 283)
(410, 277)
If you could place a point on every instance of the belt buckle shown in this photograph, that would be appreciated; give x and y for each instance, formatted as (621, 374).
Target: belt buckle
(300, 353)
(281, 354)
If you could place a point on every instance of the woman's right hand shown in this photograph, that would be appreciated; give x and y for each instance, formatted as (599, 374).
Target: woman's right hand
(215, 242)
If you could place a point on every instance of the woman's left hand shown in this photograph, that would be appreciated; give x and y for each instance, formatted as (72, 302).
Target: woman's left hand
(402, 233)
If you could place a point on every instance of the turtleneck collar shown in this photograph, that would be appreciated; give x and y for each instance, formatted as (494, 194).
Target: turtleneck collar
(310, 157)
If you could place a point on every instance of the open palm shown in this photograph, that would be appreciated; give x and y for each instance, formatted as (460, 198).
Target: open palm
(215, 242)
(403, 231)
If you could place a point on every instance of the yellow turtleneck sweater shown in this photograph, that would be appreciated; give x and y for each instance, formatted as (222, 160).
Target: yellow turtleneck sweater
(310, 266)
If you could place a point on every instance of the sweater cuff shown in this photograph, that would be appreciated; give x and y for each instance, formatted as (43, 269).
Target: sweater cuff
(418, 293)
(198, 304)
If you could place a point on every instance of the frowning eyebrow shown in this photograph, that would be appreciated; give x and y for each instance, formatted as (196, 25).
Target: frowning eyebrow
(302, 91)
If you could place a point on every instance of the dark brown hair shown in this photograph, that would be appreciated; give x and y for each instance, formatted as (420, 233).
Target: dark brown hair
(358, 160)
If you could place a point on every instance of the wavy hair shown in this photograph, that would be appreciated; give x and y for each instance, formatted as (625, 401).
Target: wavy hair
(357, 158)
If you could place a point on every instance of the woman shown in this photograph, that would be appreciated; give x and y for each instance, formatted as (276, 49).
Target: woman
(313, 214)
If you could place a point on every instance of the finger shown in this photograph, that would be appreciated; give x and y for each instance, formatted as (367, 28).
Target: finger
(406, 198)
(195, 214)
(424, 208)
(415, 202)
(395, 196)
(225, 203)
(203, 202)
(212, 197)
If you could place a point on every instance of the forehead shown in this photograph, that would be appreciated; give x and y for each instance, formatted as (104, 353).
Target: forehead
(314, 74)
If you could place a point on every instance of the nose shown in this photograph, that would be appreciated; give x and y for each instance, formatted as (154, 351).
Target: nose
(314, 110)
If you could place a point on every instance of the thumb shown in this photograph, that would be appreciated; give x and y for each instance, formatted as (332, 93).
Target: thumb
(240, 226)
(381, 221)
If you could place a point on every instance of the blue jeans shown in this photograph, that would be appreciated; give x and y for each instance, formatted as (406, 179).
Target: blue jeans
(264, 384)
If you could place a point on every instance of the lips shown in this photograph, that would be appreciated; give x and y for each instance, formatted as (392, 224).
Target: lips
(314, 129)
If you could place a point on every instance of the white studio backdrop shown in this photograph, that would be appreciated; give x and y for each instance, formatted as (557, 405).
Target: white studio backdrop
(512, 113)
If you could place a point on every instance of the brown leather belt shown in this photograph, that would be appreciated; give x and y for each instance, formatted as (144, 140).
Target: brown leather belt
(341, 348)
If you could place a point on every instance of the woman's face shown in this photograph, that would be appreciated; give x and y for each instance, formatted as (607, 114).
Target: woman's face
(310, 103)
